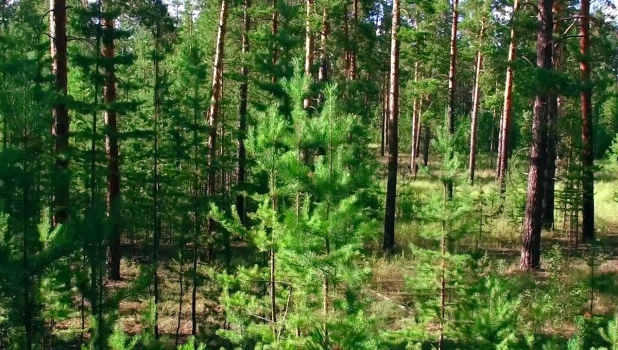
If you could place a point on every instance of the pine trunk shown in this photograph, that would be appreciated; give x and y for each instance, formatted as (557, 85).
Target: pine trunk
(507, 112)
(215, 108)
(393, 137)
(323, 73)
(111, 148)
(552, 126)
(242, 113)
(415, 124)
(452, 73)
(531, 235)
(60, 113)
(274, 30)
(308, 49)
(475, 110)
(156, 236)
(586, 110)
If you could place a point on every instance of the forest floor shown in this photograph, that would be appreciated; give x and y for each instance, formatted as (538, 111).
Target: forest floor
(498, 241)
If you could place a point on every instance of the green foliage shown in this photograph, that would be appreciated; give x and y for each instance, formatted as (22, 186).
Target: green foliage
(610, 335)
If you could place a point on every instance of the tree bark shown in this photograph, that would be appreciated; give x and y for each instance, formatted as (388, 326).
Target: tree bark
(111, 147)
(415, 124)
(531, 235)
(274, 30)
(215, 108)
(586, 110)
(393, 137)
(60, 113)
(452, 73)
(242, 113)
(155, 188)
(507, 111)
(475, 108)
(552, 129)
(308, 49)
(354, 40)
(325, 32)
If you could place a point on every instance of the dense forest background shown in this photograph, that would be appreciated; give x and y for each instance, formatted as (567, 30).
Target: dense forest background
(308, 174)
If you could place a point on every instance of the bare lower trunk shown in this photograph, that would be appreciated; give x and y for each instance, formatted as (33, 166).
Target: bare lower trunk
(452, 74)
(505, 123)
(552, 129)
(393, 137)
(111, 150)
(475, 111)
(274, 31)
(308, 48)
(415, 124)
(323, 73)
(531, 235)
(242, 114)
(60, 113)
(586, 110)
(215, 108)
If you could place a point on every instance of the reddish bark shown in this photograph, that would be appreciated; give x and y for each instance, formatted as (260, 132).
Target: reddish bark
(393, 137)
(111, 148)
(586, 110)
(531, 234)
(60, 112)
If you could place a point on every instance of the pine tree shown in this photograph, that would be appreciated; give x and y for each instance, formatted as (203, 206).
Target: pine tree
(531, 235)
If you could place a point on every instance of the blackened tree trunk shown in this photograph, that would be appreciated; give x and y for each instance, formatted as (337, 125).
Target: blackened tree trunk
(507, 111)
(531, 235)
(215, 108)
(393, 137)
(586, 110)
(242, 113)
(452, 74)
(111, 148)
(60, 113)
(475, 108)
(552, 129)
(156, 235)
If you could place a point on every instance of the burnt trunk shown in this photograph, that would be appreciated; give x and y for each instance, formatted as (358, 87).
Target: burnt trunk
(242, 114)
(507, 111)
(393, 137)
(586, 110)
(60, 113)
(111, 148)
(452, 73)
(531, 234)
(552, 129)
